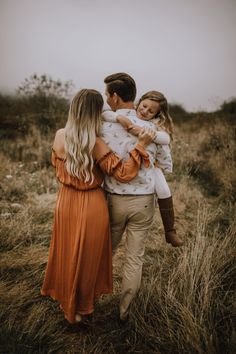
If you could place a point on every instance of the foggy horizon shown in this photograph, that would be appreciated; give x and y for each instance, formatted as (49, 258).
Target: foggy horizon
(186, 50)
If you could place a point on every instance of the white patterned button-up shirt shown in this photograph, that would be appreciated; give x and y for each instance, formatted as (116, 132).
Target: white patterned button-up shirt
(121, 142)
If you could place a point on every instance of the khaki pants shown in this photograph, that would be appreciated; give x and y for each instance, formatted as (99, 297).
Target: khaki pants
(133, 214)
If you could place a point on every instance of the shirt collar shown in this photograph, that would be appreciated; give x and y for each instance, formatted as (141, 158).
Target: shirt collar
(125, 111)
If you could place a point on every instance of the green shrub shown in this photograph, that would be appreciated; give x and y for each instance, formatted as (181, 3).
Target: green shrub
(229, 107)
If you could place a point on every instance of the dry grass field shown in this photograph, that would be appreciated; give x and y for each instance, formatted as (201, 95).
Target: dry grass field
(187, 300)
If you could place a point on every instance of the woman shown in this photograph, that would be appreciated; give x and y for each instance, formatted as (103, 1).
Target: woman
(79, 267)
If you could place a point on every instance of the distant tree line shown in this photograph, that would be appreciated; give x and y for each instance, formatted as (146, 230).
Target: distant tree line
(39, 101)
(44, 102)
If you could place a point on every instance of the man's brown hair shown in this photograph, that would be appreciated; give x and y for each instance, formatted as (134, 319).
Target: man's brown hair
(123, 85)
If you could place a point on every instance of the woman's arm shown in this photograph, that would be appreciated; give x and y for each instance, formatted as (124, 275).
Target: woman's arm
(112, 165)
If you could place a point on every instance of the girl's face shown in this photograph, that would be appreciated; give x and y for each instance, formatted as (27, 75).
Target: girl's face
(148, 109)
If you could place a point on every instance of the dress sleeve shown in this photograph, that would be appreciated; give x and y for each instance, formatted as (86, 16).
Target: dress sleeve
(112, 165)
(53, 158)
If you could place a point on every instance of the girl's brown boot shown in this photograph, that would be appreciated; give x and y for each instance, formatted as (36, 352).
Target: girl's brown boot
(167, 216)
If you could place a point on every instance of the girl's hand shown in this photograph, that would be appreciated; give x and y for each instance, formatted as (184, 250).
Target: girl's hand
(127, 124)
(146, 137)
(134, 129)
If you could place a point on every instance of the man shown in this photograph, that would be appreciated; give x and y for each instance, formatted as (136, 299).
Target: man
(131, 205)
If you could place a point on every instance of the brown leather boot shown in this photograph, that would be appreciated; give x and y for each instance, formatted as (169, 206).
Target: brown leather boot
(168, 217)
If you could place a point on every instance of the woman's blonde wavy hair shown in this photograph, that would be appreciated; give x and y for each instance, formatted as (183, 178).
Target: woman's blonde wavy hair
(82, 127)
(163, 118)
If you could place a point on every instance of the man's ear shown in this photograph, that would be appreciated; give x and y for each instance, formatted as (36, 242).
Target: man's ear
(116, 98)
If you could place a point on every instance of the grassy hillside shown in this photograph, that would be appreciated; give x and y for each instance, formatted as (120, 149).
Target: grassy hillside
(187, 300)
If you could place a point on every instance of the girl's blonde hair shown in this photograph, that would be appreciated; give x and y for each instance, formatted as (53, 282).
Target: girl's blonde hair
(163, 118)
(82, 127)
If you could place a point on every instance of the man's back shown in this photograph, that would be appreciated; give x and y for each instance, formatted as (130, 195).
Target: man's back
(121, 142)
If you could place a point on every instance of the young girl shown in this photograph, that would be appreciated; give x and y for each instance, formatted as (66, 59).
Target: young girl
(153, 107)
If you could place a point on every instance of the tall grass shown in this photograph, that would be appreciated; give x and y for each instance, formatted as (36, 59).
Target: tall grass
(186, 303)
(182, 305)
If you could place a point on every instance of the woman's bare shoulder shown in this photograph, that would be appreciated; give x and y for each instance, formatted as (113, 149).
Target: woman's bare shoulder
(60, 133)
(59, 142)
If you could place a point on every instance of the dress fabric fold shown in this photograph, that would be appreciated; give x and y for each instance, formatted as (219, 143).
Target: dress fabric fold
(79, 266)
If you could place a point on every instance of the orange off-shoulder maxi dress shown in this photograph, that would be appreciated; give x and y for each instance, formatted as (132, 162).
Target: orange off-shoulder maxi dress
(79, 267)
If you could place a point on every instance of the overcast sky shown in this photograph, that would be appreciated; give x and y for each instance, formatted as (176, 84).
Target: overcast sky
(184, 48)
